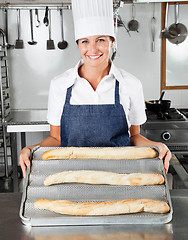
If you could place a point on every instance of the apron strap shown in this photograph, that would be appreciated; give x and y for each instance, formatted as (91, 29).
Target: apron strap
(117, 93)
(68, 96)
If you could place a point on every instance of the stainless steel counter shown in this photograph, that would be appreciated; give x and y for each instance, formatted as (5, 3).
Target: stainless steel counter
(20, 122)
(28, 121)
(12, 227)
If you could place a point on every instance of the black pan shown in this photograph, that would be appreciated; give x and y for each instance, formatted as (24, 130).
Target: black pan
(158, 106)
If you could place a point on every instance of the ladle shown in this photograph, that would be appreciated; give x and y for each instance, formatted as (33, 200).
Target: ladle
(63, 44)
(46, 20)
(32, 42)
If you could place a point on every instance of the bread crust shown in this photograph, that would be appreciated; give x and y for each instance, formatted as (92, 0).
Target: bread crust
(103, 208)
(100, 153)
(103, 177)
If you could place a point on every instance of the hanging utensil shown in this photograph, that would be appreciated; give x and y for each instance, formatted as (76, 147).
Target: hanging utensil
(164, 32)
(37, 22)
(63, 44)
(45, 20)
(178, 30)
(153, 23)
(8, 45)
(133, 25)
(50, 42)
(19, 43)
(119, 17)
(32, 42)
(114, 48)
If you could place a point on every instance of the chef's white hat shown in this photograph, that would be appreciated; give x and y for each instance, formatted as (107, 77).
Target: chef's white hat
(93, 17)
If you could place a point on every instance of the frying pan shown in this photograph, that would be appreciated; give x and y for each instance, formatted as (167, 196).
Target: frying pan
(158, 106)
(178, 30)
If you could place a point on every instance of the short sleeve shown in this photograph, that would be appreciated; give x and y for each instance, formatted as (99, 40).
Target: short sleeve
(54, 107)
(137, 114)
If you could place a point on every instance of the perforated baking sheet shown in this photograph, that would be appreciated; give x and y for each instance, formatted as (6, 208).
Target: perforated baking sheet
(40, 169)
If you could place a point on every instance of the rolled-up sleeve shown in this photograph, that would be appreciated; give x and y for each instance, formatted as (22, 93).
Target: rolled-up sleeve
(54, 107)
(137, 115)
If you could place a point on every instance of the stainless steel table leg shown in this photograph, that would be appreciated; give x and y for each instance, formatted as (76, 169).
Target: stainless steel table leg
(23, 139)
(5, 152)
(14, 161)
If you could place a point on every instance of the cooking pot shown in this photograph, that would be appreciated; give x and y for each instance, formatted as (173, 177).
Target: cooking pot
(158, 106)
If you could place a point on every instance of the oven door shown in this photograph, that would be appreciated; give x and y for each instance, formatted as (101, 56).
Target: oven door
(175, 139)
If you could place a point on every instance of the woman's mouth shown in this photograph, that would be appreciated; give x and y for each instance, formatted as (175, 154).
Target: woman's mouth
(94, 57)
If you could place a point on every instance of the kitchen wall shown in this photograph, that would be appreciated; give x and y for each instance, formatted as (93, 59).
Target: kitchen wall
(32, 68)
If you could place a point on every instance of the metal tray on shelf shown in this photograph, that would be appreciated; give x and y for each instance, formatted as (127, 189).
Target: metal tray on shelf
(40, 169)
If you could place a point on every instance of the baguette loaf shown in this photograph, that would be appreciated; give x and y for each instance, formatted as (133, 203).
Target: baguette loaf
(100, 153)
(102, 177)
(103, 208)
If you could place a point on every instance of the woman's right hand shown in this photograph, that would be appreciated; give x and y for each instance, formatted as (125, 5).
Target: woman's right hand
(24, 160)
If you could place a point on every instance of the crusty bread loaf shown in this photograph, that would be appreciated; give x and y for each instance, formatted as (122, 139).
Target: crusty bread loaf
(103, 208)
(102, 177)
(100, 153)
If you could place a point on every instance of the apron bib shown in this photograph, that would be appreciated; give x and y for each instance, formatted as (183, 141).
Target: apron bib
(94, 125)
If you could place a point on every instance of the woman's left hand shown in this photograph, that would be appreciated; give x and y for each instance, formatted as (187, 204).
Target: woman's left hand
(139, 140)
(165, 155)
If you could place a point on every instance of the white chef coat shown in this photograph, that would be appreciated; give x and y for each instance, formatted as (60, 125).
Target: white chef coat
(130, 90)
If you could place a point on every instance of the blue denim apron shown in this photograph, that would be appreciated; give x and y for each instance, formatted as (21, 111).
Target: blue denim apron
(94, 125)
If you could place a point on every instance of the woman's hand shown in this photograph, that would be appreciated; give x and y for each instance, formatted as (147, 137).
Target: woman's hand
(139, 140)
(164, 154)
(24, 160)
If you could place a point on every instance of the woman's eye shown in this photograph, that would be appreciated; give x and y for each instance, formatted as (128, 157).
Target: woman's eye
(84, 41)
(101, 40)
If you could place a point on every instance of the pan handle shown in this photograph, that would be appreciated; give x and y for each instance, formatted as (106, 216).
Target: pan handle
(176, 13)
(166, 16)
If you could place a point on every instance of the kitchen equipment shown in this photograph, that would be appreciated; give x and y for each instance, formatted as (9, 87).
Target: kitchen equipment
(5, 110)
(153, 23)
(171, 128)
(19, 43)
(148, 102)
(50, 42)
(46, 20)
(165, 32)
(178, 30)
(120, 19)
(37, 22)
(133, 25)
(158, 106)
(63, 44)
(40, 169)
(32, 42)
(9, 46)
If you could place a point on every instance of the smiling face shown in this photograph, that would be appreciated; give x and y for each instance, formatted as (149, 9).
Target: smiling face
(95, 50)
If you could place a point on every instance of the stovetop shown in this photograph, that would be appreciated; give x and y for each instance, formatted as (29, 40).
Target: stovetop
(172, 114)
(183, 159)
(184, 111)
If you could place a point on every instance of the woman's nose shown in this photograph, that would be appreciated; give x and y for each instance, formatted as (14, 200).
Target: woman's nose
(93, 47)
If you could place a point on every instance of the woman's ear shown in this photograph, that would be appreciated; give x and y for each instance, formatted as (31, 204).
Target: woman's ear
(112, 44)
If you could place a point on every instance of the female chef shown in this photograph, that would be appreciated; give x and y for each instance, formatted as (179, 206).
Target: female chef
(95, 104)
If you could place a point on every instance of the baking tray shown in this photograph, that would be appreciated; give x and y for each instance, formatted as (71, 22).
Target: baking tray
(40, 169)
